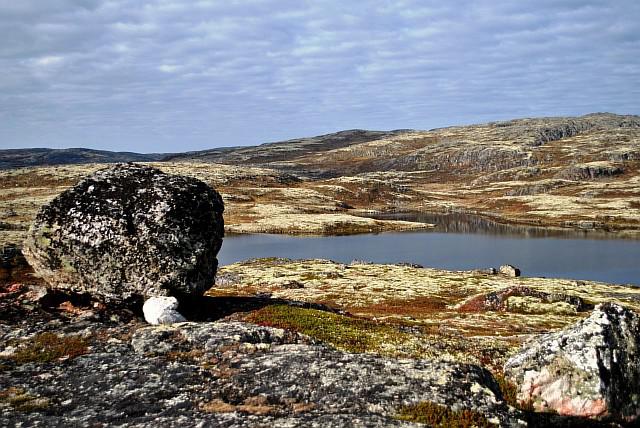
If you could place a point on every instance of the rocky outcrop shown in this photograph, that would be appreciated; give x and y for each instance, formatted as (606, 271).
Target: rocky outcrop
(280, 370)
(460, 157)
(538, 188)
(624, 155)
(129, 231)
(590, 171)
(564, 130)
(591, 369)
(558, 128)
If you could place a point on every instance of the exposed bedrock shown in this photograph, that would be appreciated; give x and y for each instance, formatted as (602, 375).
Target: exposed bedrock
(275, 368)
(465, 159)
(590, 171)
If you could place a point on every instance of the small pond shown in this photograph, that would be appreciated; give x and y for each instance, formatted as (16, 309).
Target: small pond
(462, 242)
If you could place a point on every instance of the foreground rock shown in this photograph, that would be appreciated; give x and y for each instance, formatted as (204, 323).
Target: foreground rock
(129, 231)
(240, 375)
(589, 370)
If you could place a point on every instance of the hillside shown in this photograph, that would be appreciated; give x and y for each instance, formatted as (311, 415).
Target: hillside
(581, 172)
(465, 150)
(284, 151)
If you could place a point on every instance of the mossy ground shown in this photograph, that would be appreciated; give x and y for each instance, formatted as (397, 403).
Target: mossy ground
(438, 416)
(48, 347)
(346, 333)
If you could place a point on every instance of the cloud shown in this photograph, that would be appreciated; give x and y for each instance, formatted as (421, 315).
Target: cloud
(167, 75)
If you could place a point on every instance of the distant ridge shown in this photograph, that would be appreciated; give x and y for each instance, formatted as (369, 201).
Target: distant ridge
(18, 158)
(283, 150)
(358, 150)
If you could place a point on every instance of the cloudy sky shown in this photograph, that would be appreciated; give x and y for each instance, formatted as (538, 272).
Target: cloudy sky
(169, 75)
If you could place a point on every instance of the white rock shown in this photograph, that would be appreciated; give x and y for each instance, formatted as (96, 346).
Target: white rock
(162, 310)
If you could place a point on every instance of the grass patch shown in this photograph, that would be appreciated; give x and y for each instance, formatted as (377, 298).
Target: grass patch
(439, 416)
(47, 347)
(346, 333)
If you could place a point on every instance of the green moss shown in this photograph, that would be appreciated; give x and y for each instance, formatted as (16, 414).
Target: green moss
(43, 238)
(47, 347)
(439, 416)
(44, 242)
(346, 333)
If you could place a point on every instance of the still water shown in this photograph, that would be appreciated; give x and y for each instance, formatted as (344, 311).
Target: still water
(462, 242)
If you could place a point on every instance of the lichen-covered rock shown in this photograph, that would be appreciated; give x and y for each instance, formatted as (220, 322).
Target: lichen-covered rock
(162, 310)
(591, 369)
(129, 230)
(227, 374)
(283, 370)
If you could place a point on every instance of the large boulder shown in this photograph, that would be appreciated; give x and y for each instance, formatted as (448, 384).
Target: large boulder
(129, 231)
(590, 370)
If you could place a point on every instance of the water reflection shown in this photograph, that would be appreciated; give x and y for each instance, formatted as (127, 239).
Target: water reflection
(467, 223)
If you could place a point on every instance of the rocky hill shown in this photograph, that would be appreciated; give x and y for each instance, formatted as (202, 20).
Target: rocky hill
(284, 151)
(464, 149)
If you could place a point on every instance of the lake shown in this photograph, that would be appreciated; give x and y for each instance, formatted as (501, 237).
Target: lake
(462, 242)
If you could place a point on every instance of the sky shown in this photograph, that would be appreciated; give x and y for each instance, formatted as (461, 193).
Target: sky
(172, 76)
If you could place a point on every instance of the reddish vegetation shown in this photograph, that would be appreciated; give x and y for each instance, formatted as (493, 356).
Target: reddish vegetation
(414, 307)
(476, 304)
